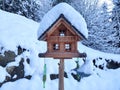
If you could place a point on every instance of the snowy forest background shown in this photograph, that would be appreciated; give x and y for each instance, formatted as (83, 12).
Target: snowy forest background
(103, 18)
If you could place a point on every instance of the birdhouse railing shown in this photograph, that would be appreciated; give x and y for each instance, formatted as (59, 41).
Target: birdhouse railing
(62, 38)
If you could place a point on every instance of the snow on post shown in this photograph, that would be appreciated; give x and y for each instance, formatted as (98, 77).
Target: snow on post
(74, 17)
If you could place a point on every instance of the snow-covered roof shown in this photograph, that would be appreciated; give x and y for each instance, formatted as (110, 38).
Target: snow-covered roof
(74, 17)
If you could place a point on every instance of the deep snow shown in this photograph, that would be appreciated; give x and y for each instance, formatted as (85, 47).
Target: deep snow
(16, 30)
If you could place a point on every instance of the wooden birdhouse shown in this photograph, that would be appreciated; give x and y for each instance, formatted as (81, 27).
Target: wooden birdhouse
(62, 27)
(62, 38)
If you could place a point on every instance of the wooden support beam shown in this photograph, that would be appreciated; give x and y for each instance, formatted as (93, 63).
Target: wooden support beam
(67, 55)
(61, 75)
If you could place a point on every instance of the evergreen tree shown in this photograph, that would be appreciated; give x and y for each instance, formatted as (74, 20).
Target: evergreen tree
(27, 8)
(116, 22)
(59, 1)
(102, 35)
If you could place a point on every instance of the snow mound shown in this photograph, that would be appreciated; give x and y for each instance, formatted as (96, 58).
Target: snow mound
(17, 30)
(2, 74)
(70, 14)
(87, 67)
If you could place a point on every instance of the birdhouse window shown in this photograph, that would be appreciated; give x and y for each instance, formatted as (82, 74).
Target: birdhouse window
(56, 46)
(62, 32)
(67, 47)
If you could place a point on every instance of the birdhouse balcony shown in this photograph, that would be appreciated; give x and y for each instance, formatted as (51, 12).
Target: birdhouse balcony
(62, 38)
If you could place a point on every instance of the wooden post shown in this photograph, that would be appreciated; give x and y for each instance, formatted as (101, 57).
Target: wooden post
(61, 75)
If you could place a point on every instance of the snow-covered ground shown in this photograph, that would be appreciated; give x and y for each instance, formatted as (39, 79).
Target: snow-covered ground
(16, 30)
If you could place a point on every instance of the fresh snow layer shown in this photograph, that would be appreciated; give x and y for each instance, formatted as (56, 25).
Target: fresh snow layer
(69, 12)
(3, 73)
(16, 30)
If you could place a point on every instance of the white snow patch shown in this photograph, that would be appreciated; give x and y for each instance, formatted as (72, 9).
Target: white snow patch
(15, 76)
(3, 74)
(15, 30)
(87, 67)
